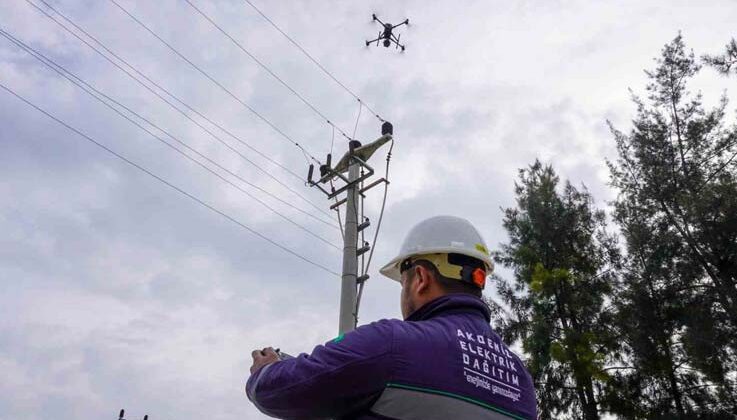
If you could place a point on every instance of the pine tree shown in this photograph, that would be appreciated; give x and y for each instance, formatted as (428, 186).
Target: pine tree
(677, 207)
(725, 63)
(562, 259)
(653, 377)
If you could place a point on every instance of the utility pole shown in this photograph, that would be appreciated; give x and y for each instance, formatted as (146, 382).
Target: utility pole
(355, 159)
(349, 278)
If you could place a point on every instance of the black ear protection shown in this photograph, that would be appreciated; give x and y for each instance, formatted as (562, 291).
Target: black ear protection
(473, 270)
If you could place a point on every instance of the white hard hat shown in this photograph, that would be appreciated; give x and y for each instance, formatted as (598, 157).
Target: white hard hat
(440, 235)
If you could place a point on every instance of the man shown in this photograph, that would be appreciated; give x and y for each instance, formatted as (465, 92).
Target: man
(442, 362)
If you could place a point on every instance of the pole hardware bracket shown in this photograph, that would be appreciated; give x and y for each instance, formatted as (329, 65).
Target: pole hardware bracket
(356, 154)
(364, 249)
(366, 223)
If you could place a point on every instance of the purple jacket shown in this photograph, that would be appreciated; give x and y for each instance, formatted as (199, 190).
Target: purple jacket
(443, 362)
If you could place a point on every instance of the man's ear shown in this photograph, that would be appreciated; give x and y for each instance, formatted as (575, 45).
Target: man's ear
(423, 278)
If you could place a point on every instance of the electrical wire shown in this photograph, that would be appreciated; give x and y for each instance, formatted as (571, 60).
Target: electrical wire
(357, 195)
(265, 156)
(332, 188)
(355, 127)
(217, 83)
(383, 203)
(365, 267)
(378, 227)
(362, 198)
(332, 140)
(86, 87)
(169, 184)
(265, 67)
(361, 220)
(317, 63)
(184, 114)
(337, 210)
(55, 66)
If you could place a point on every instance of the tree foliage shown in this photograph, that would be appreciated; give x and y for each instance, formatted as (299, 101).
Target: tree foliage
(648, 331)
(562, 258)
(677, 308)
(725, 63)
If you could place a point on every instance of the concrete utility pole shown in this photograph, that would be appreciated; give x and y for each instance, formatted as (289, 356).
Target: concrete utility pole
(353, 161)
(349, 279)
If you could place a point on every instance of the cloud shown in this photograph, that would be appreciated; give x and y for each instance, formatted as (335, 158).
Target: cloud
(120, 292)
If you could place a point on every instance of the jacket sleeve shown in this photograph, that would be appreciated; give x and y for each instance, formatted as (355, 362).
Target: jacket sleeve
(343, 376)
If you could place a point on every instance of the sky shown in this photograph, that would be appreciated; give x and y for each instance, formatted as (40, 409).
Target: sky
(118, 291)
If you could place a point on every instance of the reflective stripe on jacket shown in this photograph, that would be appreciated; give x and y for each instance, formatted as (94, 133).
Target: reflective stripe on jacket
(443, 362)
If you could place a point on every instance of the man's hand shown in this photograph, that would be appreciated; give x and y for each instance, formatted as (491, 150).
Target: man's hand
(263, 358)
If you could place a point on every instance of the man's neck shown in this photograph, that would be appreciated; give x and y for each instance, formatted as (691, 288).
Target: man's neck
(450, 302)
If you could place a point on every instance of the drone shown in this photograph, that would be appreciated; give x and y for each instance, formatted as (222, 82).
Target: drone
(387, 34)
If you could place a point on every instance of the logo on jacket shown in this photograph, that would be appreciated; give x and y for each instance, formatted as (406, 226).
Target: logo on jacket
(488, 364)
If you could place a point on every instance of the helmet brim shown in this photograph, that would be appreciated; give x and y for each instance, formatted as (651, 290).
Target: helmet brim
(391, 270)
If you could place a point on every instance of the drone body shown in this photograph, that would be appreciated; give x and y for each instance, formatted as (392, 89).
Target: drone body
(387, 35)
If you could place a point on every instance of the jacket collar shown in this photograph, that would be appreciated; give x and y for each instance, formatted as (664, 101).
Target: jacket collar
(449, 304)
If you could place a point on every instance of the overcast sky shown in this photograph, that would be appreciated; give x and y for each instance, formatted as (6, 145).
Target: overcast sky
(119, 292)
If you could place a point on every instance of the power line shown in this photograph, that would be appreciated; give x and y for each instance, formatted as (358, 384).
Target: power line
(378, 227)
(268, 70)
(220, 85)
(317, 63)
(184, 114)
(169, 184)
(174, 97)
(337, 209)
(355, 127)
(18, 43)
(362, 198)
(383, 204)
(87, 87)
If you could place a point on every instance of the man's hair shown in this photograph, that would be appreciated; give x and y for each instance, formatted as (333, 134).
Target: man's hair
(449, 285)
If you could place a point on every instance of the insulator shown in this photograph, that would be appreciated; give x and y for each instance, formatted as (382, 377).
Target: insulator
(387, 128)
